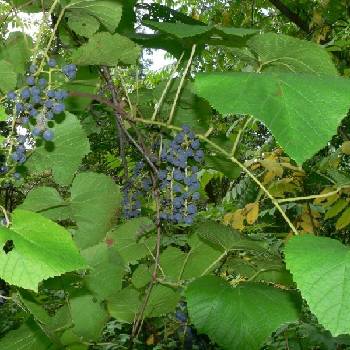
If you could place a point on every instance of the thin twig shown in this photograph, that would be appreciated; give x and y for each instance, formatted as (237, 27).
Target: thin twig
(172, 112)
(238, 137)
(313, 196)
(160, 102)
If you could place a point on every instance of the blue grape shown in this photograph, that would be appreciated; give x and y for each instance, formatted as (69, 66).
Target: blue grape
(4, 169)
(36, 131)
(191, 209)
(50, 93)
(30, 80)
(58, 108)
(19, 108)
(25, 94)
(52, 63)
(195, 196)
(42, 82)
(33, 112)
(25, 120)
(48, 104)
(33, 68)
(17, 176)
(178, 175)
(49, 115)
(162, 174)
(11, 95)
(48, 135)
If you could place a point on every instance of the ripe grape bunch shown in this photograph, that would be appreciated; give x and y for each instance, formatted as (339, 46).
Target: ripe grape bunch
(34, 107)
(178, 178)
(134, 190)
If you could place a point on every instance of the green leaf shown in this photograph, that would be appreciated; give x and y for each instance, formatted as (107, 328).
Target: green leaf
(8, 77)
(141, 276)
(225, 166)
(41, 249)
(283, 53)
(109, 13)
(201, 259)
(107, 270)
(94, 201)
(321, 270)
(225, 238)
(89, 317)
(302, 111)
(124, 305)
(28, 336)
(130, 240)
(65, 154)
(17, 51)
(3, 114)
(48, 202)
(238, 318)
(178, 29)
(336, 208)
(172, 262)
(107, 49)
(83, 25)
(162, 300)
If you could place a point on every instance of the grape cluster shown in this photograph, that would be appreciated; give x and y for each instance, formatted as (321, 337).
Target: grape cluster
(39, 102)
(178, 179)
(134, 190)
(35, 107)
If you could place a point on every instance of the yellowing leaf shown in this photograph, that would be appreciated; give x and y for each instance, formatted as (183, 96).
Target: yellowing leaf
(236, 219)
(322, 199)
(338, 207)
(344, 219)
(252, 212)
(345, 147)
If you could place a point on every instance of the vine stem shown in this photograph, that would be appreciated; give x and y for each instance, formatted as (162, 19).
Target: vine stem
(5, 215)
(160, 102)
(239, 135)
(182, 81)
(313, 196)
(215, 262)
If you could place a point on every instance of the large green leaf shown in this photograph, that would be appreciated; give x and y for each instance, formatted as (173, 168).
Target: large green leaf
(106, 49)
(321, 270)
(65, 154)
(94, 201)
(302, 111)
(107, 270)
(282, 53)
(8, 77)
(48, 202)
(27, 337)
(107, 12)
(41, 249)
(238, 318)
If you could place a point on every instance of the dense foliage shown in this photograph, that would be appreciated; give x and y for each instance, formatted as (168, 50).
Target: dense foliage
(201, 206)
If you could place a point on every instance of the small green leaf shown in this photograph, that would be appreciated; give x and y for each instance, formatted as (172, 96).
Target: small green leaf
(83, 25)
(41, 249)
(106, 270)
(88, 316)
(141, 276)
(302, 111)
(321, 270)
(8, 77)
(242, 317)
(48, 202)
(17, 50)
(109, 13)
(65, 154)
(94, 201)
(162, 300)
(124, 305)
(130, 240)
(107, 49)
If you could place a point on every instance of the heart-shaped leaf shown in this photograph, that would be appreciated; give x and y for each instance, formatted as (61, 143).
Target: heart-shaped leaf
(321, 270)
(302, 111)
(242, 317)
(34, 249)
